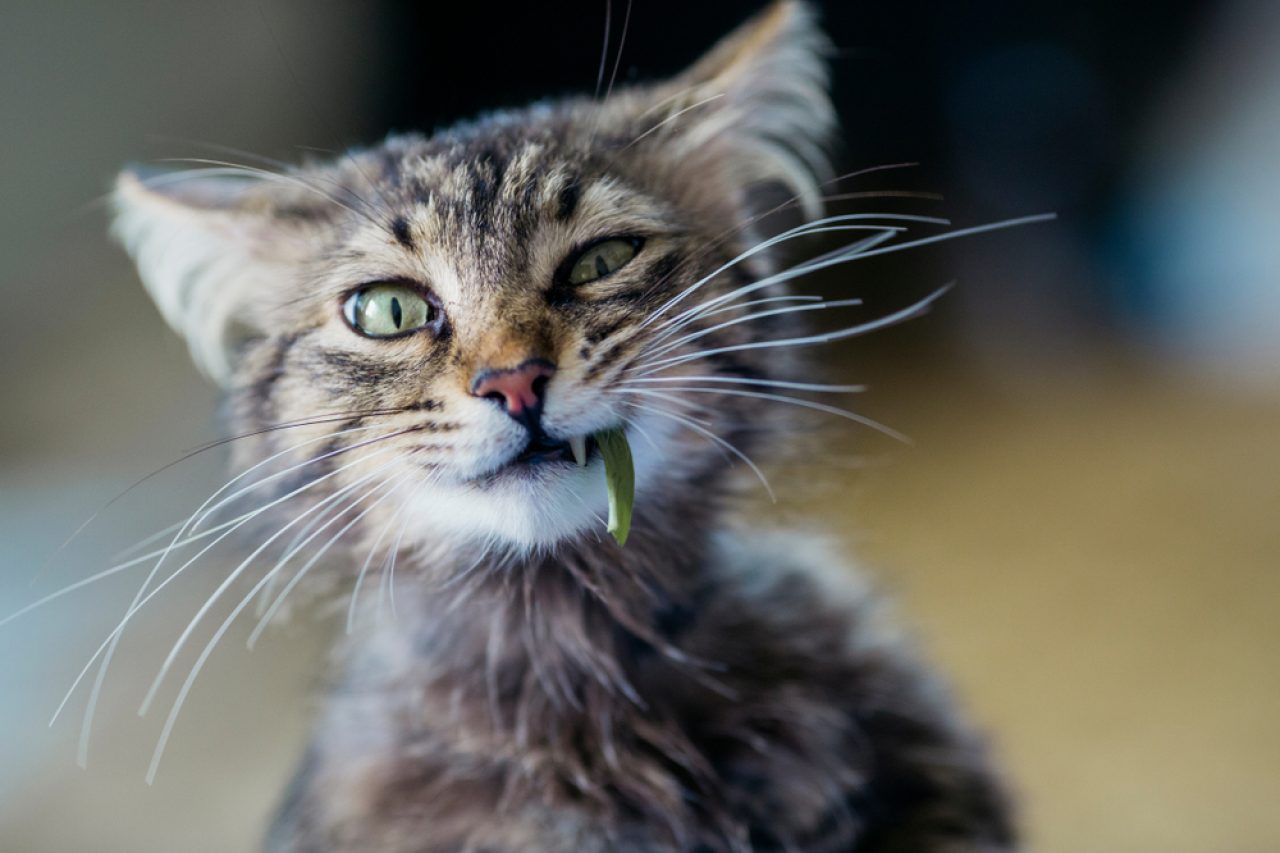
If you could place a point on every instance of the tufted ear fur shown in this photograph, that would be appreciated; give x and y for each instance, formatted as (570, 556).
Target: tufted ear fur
(210, 252)
(756, 105)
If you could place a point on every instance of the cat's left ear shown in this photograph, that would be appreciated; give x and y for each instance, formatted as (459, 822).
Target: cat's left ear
(213, 254)
(755, 106)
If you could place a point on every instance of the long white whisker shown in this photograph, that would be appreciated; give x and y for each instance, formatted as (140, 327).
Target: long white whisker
(706, 433)
(396, 482)
(837, 256)
(962, 232)
(796, 401)
(233, 526)
(364, 569)
(679, 401)
(727, 301)
(391, 572)
(795, 199)
(742, 380)
(604, 50)
(896, 317)
(814, 227)
(267, 174)
(221, 631)
(235, 574)
(573, 493)
(72, 587)
(765, 301)
(644, 433)
(143, 543)
(125, 566)
(204, 511)
(857, 253)
(675, 115)
(96, 690)
(299, 539)
(622, 41)
(759, 315)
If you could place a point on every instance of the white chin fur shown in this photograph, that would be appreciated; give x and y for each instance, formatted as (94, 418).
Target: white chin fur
(531, 513)
(526, 513)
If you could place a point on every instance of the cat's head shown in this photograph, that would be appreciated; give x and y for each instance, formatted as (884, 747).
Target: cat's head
(450, 318)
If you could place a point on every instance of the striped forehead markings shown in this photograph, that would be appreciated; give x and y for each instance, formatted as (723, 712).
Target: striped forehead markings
(400, 230)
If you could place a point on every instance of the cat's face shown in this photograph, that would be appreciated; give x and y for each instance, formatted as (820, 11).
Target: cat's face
(452, 318)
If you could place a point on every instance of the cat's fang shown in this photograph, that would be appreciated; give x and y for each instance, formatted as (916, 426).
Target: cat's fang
(578, 444)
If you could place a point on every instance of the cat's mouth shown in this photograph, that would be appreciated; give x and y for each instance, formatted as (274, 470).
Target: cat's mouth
(543, 450)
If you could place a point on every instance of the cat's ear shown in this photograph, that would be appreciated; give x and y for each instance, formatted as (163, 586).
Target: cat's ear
(212, 255)
(757, 104)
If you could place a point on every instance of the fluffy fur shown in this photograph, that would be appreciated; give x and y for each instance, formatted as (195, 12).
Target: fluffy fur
(704, 688)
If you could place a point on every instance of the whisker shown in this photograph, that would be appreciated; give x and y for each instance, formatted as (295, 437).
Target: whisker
(231, 578)
(143, 543)
(622, 41)
(760, 315)
(268, 175)
(706, 433)
(707, 412)
(205, 511)
(764, 301)
(794, 200)
(218, 634)
(848, 254)
(197, 518)
(675, 115)
(840, 255)
(116, 569)
(796, 401)
(319, 419)
(364, 569)
(816, 227)
(741, 380)
(632, 423)
(910, 312)
(265, 618)
(604, 50)
(106, 643)
(391, 572)
(573, 493)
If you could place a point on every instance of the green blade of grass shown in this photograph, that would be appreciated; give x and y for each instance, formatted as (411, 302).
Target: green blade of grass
(620, 476)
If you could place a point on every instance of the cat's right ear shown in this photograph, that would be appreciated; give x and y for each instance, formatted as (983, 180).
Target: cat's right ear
(212, 255)
(754, 110)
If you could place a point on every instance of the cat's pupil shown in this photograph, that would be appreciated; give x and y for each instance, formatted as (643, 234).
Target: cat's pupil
(602, 266)
(396, 313)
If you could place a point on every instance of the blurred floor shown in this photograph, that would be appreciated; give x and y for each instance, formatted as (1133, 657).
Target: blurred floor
(1094, 564)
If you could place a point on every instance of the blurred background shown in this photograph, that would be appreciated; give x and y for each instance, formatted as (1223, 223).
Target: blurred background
(1084, 533)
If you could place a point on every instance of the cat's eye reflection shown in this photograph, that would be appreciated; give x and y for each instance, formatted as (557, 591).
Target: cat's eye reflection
(387, 310)
(603, 258)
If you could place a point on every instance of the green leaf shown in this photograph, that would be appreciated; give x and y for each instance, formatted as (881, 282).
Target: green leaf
(620, 476)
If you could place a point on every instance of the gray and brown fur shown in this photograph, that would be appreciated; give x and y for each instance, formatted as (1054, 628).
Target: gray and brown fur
(705, 688)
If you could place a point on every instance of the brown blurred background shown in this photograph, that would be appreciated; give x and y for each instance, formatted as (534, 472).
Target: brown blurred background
(1084, 532)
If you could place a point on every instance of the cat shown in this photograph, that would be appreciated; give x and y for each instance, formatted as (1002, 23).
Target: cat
(420, 339)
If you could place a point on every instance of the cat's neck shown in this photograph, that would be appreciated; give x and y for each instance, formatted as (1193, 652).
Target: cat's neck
(586, 622)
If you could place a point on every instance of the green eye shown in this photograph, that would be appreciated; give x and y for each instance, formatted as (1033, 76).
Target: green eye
(387, 310)
(603, 258)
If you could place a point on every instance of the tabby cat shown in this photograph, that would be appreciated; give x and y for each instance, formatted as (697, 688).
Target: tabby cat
(420, 339)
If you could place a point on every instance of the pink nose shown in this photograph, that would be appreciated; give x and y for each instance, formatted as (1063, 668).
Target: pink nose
(519, 389)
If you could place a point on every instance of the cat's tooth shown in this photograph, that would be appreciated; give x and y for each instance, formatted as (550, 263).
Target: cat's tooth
(578, 444)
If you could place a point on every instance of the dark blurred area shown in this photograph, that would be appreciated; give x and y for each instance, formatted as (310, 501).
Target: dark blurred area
(1084, 530)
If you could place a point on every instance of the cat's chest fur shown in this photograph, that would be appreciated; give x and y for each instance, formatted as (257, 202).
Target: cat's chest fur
(767, 723)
